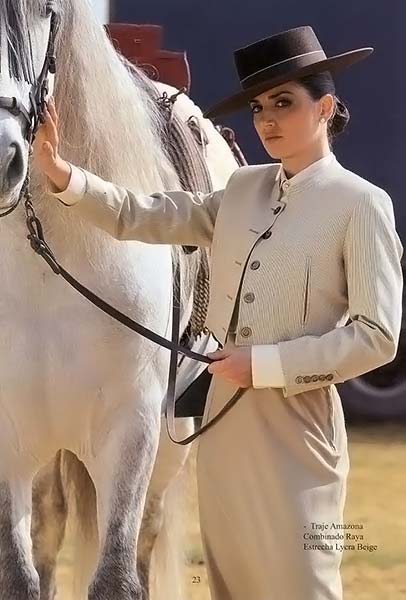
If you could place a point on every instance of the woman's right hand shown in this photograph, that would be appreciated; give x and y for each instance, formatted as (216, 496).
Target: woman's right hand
(45, 150)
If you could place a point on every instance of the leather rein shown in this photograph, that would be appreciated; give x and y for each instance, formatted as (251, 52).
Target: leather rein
(33, 117)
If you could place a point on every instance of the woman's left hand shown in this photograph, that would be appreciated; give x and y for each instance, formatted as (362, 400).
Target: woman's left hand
(234, 364)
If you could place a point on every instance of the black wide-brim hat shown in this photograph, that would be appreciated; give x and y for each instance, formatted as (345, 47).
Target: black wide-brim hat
(280, 58)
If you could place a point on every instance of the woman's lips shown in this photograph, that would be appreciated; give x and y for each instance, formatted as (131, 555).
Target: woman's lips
(273, 137)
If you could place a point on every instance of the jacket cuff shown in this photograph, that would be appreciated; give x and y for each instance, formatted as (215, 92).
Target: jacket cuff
(266, 366)
(75, 190)
(298, 377)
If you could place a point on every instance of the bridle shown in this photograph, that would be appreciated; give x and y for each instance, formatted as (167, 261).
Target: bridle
(34, 116)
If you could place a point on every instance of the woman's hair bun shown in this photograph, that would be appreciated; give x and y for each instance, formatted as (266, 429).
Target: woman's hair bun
(339, 120)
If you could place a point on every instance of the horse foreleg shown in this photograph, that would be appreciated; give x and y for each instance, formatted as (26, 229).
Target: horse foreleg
(48, 524)
(18, 578)
(150, 528)
(121, 473)
(169, 462)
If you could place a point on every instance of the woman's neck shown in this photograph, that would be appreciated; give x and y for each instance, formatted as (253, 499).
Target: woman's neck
(294, 164)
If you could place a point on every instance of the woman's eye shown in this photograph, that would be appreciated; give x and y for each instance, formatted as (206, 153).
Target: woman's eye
(255, 108)
(283, 103)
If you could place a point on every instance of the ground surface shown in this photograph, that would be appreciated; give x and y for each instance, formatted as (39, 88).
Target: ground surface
(376, 498)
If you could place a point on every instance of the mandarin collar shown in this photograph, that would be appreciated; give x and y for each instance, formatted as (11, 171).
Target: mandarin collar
(307, 176)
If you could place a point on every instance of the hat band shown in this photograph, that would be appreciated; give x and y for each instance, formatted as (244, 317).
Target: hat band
(301, 60)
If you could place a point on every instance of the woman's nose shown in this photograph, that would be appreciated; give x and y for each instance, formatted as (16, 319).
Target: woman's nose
(268, 126)
(268, 117)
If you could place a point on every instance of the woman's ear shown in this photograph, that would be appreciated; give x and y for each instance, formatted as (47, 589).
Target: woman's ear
(327, 107)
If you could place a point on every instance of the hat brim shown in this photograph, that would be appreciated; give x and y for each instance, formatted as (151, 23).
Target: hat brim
(333, 64)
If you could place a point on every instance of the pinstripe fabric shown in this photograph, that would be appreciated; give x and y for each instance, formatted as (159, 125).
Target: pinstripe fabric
(333, 253)
(266, 364)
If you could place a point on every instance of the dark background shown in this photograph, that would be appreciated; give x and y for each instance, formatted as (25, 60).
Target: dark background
(375, 90)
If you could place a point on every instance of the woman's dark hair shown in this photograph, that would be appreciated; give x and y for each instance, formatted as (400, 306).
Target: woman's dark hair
(320, 84)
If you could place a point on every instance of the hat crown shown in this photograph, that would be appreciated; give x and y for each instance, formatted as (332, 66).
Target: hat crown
(275, 49)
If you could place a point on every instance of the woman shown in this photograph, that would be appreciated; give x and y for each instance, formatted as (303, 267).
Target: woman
(296, 249)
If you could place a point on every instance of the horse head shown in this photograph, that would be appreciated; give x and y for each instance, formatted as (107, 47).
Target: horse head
(27, 36)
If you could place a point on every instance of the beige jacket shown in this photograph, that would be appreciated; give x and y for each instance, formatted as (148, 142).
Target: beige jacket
(303, 255)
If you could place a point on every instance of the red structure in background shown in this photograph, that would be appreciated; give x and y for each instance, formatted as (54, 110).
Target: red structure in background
(141, 45)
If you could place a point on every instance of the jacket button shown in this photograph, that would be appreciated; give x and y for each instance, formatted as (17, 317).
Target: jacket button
(307, 379)
(267, 234)
(255, 265)
(330, 376)
(246, 331)
(299, 379)
(315, 378)
(249, 297)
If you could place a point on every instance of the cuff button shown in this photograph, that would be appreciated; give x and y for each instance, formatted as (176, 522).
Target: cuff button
(246, 331)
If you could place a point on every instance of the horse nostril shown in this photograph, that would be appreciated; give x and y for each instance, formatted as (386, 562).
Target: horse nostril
(14, 165)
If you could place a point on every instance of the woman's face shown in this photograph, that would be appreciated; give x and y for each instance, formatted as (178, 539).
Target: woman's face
(287, 119)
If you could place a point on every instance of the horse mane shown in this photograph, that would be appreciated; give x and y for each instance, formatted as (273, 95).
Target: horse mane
(106, 110)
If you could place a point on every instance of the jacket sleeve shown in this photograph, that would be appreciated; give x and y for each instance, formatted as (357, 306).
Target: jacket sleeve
(372, 261)
(174, 217)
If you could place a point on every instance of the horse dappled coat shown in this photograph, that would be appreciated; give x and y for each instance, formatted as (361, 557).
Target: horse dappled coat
(292, 260)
